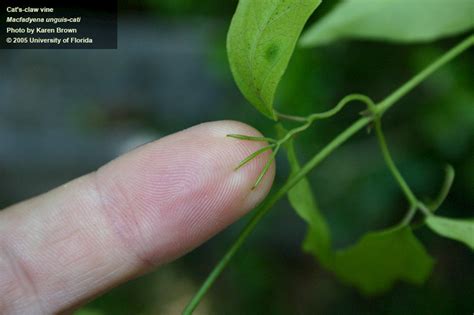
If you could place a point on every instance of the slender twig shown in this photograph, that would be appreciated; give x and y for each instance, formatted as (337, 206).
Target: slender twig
(391, 164)
(251, 138)
(309, 120)
(342, 103)
(290, 117)
(409, 215)
(266, 205)
(424, 209)
(445, 188)
(420, 77)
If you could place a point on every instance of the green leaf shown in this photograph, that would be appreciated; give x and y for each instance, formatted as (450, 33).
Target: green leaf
(318, 240)
(392, 20)
(260, 42)
(381, 258)
(456, 229)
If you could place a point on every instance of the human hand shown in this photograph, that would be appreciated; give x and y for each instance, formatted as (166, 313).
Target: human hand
(146, 208)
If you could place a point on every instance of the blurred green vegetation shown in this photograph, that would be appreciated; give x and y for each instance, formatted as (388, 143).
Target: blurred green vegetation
(430, 127)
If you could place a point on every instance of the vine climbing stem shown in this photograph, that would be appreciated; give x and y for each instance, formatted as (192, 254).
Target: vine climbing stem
(391, 164)
(362, 122)
(420, 77)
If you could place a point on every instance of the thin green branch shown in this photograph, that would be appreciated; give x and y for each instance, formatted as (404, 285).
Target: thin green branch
(428, 210)
(266, 205)
(327, 114)
(346, 100)
(409, 215)
(424, 209)
(290, 117)
(415, 204)
(391, 164)
(293, 132)
(420, 77)
(250, 138)
(309, 120)
(445, 188)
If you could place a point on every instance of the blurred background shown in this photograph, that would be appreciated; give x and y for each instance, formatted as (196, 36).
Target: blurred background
(65, 113)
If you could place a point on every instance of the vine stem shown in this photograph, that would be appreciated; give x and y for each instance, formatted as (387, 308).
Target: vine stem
(391, 164)
(290, 117)
(420, 77)
(445, 188)
(267, 204)
(408, 216)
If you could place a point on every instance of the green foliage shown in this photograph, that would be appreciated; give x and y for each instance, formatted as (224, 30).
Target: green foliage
(381, 258)
(318, 240)
(456, 229)
(372, 265)
(260, 42)
(392, 20)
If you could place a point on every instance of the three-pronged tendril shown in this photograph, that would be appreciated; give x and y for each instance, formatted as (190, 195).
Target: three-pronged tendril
(275, 145)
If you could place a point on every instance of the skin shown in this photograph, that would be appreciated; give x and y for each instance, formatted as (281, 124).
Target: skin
(144, 209)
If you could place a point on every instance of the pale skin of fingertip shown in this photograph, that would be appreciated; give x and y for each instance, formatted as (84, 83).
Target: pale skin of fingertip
(143, 209)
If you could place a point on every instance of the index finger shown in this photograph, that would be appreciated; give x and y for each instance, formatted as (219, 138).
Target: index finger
(148, 207)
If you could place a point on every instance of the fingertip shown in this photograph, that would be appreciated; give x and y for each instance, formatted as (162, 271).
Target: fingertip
(240, 149)
(251, 171)
(175, 193)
